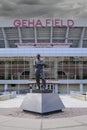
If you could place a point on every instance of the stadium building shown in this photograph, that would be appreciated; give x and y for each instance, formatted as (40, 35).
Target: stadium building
(61, 43)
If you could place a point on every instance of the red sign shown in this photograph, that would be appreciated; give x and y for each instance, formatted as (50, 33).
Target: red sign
(43, 23)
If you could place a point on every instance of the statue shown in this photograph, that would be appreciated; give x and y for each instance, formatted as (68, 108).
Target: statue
(39, 71)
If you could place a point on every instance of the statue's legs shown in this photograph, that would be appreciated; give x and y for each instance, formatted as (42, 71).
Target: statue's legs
(38, 79)
(44, 83)
(42, 76)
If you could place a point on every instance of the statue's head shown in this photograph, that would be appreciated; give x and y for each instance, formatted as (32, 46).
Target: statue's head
(38, 56)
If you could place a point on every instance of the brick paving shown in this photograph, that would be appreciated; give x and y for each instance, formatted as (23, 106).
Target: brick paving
(67, 112)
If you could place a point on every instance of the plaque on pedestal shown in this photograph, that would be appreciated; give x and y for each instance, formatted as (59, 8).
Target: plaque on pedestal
(42, 91)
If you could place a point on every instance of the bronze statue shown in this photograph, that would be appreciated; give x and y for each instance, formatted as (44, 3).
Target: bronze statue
(39, 71)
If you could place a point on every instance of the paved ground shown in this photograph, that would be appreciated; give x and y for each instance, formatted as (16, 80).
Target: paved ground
(73, 117)
(67, 112)
(66, 99)
(73, 107)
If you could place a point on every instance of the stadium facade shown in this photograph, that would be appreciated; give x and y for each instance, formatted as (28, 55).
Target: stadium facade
(61, 43)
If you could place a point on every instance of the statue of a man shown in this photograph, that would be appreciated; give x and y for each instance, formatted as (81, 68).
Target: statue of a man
(39, 71)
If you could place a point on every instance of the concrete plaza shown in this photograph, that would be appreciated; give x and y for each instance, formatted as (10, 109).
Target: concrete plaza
(43, 123)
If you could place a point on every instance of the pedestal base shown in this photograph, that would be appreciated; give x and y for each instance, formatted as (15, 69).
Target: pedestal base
(42, 103)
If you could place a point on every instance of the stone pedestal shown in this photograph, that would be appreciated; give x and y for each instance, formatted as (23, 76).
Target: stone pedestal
(42, 103)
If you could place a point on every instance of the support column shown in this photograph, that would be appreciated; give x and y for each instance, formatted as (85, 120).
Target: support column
(66, 36)
(81, 87)
(31, 69)
(53, 89)
(35, 32)
(11, 77)
(18, 75)
(6, 70)
(55, 69)
(5, 87)
(81, 38)
(56, 88)
(5, 38)
(81, 70)
(19, 33)
(68, 84)
(67, 88)
(51, 34)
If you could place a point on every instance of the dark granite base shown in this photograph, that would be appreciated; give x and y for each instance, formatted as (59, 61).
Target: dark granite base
(42, 91)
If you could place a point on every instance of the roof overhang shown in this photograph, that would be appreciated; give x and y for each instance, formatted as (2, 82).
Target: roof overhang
(49, 52)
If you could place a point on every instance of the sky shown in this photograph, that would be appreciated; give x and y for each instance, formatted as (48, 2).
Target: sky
(74, 9)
